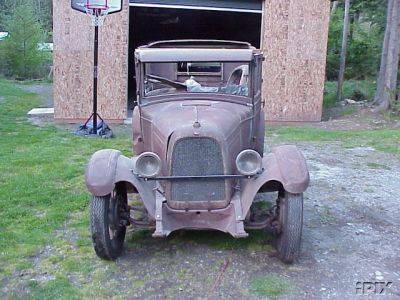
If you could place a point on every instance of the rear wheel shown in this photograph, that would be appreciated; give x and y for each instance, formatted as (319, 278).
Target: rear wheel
(108, 224)
(290, 208)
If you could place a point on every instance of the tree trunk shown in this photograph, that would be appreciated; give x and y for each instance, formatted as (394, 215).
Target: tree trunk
(382, 69)
(39, 12)
(343, 52)
(392, 61)
(334, 7)
(353, 24)
(396, 50)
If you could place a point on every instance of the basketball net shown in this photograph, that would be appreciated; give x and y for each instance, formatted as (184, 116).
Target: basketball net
(97, 14)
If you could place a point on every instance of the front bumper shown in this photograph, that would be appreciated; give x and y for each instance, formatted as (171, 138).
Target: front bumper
(207, 177)
(229, 219)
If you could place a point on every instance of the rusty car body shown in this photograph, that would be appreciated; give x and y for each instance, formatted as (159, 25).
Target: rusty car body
(198, 135)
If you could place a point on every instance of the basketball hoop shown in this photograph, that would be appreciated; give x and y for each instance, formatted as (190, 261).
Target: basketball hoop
(97, 12)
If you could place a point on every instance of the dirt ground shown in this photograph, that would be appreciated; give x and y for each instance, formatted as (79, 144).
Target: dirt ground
(44, 90)
(355, 117)
(351, 234)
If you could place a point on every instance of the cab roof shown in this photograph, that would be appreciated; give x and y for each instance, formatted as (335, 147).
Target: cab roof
(196, 51)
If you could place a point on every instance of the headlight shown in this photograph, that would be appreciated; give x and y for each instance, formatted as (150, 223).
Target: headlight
(148, 164)
(248, 162)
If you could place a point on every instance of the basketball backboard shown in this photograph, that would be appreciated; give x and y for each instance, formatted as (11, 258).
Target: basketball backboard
(82, 5)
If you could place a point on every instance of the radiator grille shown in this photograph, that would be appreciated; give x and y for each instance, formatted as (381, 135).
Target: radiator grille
(197, 157)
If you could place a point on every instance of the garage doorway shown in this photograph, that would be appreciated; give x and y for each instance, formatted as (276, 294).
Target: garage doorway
(149, 24)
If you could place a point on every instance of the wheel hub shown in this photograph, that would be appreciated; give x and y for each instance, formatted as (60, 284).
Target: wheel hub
(117, 214)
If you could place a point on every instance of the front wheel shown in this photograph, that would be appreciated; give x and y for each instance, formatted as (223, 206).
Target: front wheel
(107, 225)
(291, 221)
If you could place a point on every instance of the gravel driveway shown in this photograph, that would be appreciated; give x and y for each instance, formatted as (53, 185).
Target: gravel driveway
(351, 234)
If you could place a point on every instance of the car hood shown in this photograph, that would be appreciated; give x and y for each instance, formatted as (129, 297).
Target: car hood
(196, 117)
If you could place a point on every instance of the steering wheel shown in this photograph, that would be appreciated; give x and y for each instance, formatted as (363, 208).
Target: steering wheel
(174, 84)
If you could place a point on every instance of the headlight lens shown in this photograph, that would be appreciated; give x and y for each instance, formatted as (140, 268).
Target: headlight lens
(148, 164)
(248, 162)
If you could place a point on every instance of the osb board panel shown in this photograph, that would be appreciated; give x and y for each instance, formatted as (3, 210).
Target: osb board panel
(308, 29)
(73, 64)
(304, 84)
(294, 42)
(72, 88)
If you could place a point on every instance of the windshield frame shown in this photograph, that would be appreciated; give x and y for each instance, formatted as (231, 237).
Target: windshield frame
(145, 100)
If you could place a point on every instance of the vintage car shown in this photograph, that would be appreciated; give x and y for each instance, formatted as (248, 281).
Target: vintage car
(198, 136)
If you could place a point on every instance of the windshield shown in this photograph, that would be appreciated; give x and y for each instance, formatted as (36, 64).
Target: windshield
(196, 77)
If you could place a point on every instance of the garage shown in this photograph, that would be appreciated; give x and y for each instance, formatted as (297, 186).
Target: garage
(292, 34)
(154, 20)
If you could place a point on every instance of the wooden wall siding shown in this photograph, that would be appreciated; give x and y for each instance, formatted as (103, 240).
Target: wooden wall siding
(73, 64)
(295, 39)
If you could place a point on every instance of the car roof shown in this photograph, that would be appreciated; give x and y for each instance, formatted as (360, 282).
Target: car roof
(199, 44)
(195, 51)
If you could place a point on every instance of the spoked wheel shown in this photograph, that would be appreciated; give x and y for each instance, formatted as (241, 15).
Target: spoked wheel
(108, 221)
(290, 215)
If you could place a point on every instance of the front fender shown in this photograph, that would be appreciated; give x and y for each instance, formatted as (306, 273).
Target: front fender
(108, 167)
(100, 172)
(286, 166)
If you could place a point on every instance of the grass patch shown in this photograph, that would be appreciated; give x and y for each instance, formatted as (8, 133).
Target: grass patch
(377, 166)
(326, 216)
(42, 182)
(352, 89)
(271, 286)
(348, 111)
(59, 288)
(386, 140)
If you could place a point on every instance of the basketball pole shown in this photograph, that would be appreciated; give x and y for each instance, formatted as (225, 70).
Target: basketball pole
(95, 76)
(97, 11)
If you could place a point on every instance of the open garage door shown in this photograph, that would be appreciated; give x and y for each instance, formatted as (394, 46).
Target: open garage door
(252, 6)
(156, 20)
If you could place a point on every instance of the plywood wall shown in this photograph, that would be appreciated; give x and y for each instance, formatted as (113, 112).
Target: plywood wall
(73, 64)
(295, 36)
(294, 40)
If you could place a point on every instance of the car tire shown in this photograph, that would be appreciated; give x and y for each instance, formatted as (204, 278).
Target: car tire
(291, 222)
(107, 240)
